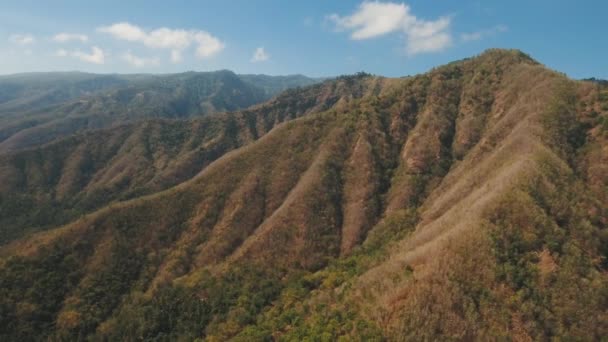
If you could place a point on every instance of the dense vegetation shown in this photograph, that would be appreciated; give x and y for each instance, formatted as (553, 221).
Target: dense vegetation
(53, 184)
(468, 203)
(37, 108)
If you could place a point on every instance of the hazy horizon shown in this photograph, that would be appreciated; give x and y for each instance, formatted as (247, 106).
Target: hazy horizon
(317, 39)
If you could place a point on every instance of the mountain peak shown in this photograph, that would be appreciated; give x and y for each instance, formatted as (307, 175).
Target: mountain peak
(498, 56)
(512, 55)
(359, 208)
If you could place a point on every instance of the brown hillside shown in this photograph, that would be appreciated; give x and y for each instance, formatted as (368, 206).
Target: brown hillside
(466, 203)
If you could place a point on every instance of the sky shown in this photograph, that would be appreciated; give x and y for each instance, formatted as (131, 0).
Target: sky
(313, 37)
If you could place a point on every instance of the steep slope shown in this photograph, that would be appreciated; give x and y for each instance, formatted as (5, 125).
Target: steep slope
(46, 186)
(511, 243)
(62, 104)
(465, 203)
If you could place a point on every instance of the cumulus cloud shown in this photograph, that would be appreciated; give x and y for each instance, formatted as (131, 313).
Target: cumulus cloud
(428, 36)
(96, 56)
(124, 31)
(208, 45)
(175, 40)
(68, 37)
(140, 62)
(260, 55)
(374, 19)
(478, 35)
(22, 39)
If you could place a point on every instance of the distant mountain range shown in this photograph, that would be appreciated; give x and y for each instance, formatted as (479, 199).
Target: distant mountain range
(35, 108)
(466, 203)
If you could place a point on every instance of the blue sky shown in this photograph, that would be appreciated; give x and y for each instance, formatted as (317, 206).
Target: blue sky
(314, 37)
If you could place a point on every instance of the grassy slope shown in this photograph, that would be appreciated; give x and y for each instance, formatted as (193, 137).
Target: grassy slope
(461, 204)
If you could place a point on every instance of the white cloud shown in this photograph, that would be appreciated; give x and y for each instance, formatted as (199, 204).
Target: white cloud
(208, 45)
(67, 37)
(478, 35)
(260, 55)
(176, 40)
(374, 19)
(97, 55)
(428, 36)
(22, 39)
(140, 62)
(124, 31)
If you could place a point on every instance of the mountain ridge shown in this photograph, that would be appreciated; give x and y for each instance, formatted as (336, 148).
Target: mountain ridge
(461, 203)
(193, 141)
(53, 104)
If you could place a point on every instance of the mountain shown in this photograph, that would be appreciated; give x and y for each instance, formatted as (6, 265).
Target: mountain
(597, 80)
(275, 84)
(37, 108)
(29, 91)
(52, 184)
(467, 203)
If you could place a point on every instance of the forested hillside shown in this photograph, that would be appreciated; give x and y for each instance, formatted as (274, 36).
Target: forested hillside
(466, 203)
(45, 186)
(40, 107)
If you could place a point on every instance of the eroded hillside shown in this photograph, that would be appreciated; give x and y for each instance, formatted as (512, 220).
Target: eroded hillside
(465, 203)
